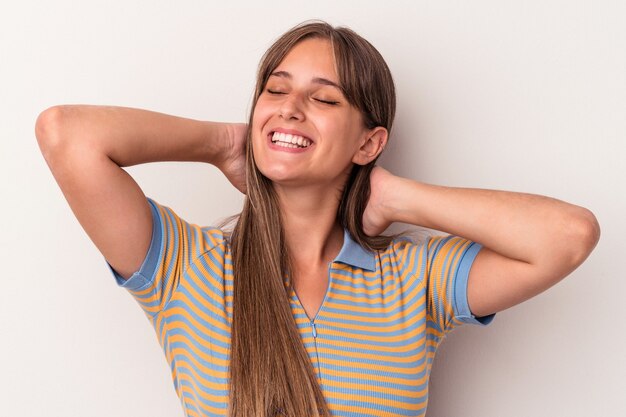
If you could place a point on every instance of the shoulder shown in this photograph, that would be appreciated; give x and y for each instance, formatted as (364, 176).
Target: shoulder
(199, 239)
(413, 250)
(403, 243)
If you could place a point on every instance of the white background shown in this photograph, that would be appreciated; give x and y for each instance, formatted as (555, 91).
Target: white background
(516, 95)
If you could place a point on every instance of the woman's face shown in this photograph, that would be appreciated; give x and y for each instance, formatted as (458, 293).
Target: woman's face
(304, 131)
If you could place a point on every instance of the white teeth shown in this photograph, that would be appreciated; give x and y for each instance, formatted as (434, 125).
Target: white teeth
(286, 145)
(290, 141)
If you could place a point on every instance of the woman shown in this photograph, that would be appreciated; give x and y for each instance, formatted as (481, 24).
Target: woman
(304, 309)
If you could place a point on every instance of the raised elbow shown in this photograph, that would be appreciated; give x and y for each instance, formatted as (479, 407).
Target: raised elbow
(49, 127)
(585, 234)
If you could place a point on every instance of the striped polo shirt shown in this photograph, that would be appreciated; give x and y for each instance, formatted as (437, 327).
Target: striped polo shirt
(372, 342)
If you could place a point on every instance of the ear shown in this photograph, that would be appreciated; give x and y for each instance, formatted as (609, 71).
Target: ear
(372, 145)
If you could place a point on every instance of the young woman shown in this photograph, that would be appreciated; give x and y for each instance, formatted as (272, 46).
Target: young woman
(304, 309)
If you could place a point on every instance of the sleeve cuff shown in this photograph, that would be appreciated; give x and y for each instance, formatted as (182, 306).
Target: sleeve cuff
(145, 275)
(461, 306)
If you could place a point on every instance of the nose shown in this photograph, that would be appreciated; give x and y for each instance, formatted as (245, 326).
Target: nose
(291, 109)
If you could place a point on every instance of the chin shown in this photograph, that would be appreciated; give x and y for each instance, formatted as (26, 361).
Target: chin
(277, 176)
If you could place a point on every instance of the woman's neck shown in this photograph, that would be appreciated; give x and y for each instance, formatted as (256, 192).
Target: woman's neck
(313, 234)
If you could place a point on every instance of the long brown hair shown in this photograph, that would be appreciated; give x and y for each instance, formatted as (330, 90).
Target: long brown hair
(270, 370)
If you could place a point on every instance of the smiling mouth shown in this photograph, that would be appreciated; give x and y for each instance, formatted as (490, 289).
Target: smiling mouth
(288, 140)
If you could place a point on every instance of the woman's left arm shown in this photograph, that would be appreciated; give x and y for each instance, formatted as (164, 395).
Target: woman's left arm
(530, 242)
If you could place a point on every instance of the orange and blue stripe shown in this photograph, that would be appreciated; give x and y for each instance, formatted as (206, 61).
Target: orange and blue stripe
(372, 341)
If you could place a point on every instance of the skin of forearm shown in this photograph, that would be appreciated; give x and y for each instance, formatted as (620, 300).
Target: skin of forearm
(530, 228)
(130, 136)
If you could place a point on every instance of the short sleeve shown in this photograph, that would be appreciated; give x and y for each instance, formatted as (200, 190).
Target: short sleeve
(174, 245)
(448, 263)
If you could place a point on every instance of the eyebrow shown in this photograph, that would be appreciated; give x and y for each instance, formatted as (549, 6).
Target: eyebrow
(316, 80)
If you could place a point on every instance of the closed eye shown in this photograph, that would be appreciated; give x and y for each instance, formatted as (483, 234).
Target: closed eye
(275, 91)
(332, 103)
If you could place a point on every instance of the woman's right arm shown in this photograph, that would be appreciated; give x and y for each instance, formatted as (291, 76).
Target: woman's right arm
(85, 148)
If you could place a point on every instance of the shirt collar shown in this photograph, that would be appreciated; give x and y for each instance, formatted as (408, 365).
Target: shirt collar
(354, 254)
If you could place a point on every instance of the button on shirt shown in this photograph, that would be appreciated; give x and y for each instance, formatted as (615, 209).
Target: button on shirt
(372, 342)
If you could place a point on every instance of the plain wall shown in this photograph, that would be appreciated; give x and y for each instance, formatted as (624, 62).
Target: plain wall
(514, 95)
